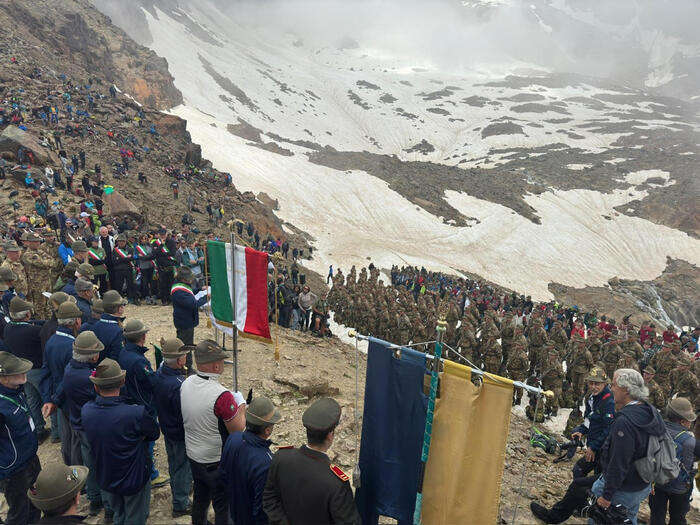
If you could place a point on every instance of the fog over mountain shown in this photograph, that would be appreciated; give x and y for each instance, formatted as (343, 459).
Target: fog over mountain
(532, 143)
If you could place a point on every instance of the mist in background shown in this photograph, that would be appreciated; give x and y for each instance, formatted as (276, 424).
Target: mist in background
(652, 43)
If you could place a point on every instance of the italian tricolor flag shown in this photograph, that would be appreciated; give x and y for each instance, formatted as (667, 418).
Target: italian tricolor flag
(250, 289)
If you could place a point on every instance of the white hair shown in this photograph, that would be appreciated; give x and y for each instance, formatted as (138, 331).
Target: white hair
(84, 358)
(633, 382)
(20, 315)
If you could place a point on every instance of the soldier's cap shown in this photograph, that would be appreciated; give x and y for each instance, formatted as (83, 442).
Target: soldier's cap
(17, 305)
(58, 298)
(262, 412)
(131, 234)
(208, 351)
(112, 298)
(185, 275)
(134, 329)
(121, 237)
(649, 370)
(596, 375)
(6, 274)
(79, 246)
(70, 268)
(86, 270)
(322, 415)
(174, 347)
(97, 306)
(30, 237)
(68, 310)
(82, 284)
(87, 343)
(57, 485)
(12, 247)
(108, 374)
(683, 407)
(10, 364)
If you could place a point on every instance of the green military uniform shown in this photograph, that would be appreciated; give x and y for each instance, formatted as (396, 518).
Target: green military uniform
(664, 362)
(558, 336)
(21, 283)
(517, 366)
(537, 339)
(39, 266)
(627, 360)
(492, 356)
(685, 382)
(553, 379)
(657, 397)
(595, 347)
(611, 355)
(579, 363)
(575, 419)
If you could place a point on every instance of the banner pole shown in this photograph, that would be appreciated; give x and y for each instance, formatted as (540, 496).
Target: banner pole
(277, 324)
(441, 324)
(233, 311)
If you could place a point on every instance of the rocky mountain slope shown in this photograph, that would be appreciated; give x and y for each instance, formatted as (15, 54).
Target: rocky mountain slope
(71, 44)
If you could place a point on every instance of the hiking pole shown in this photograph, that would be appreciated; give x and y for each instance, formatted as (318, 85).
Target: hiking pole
(441, 324)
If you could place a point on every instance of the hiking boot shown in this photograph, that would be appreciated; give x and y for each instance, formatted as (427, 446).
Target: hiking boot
(95, 508)
(159, 481)
(540, 512)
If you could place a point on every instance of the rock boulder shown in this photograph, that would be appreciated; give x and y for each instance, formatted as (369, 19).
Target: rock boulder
(12, 138)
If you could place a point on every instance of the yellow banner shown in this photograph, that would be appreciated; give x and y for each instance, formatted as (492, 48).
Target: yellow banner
(467, 450)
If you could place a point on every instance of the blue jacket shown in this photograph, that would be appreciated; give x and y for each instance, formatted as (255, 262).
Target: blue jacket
(119, 435)
(138, 388)
(627, 442)
(86, 308)
(245, 461)
(185, 307)
(69, 288)
(600, 413)
(23, 340)
(18, 443)
(78, 390)
(166, 394)
(111, 335)
(65, 252)
(58, 353)
(7, 296)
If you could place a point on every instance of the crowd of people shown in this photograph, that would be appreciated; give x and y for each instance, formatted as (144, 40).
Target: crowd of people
(582, 358)
(112, 406)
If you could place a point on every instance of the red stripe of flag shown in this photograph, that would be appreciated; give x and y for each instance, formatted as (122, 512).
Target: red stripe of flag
(256, 272)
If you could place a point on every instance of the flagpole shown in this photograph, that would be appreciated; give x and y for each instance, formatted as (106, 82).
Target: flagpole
(428, 432)
(233, 311)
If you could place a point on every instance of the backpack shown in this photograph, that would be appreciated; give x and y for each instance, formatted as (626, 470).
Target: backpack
(543, 441)
(684, 482)
(660, 464)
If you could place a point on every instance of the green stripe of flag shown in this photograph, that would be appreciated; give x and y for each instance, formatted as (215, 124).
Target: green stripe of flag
(219, 273)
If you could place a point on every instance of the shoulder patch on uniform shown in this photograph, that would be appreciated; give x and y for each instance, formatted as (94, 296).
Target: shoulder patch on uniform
(339, 472)
(606, 396)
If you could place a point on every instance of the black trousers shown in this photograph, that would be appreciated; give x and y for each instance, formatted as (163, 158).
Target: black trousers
(165, 282)
(186, 335)
(101, 281)
(208, 489)
(677, 506)
(122, 278)
(146, 282)
(21, 511)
